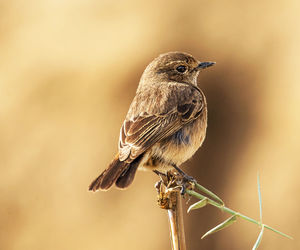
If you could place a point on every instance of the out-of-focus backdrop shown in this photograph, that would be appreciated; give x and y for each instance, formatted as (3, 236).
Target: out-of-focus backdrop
(68, 72)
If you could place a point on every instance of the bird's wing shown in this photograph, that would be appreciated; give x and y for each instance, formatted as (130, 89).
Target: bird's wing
(144, 130)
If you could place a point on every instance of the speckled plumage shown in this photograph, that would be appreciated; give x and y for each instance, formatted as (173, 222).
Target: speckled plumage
(166, 122)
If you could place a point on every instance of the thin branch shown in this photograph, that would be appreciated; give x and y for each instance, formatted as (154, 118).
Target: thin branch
(175, 215)
(170, 189)
(169, 198)
(230, 211)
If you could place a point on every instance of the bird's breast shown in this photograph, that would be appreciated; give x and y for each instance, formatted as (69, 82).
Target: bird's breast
(185, 142)
(179, 147)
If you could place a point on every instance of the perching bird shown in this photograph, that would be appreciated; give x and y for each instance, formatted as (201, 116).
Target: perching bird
(166, 122)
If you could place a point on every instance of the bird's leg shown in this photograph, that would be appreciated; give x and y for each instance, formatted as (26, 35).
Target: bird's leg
(163, 179)
(159, 173)
(186, 179)
(185, 176)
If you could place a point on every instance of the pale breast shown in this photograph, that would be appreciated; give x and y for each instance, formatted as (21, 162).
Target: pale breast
(179, 147)
(186, 142)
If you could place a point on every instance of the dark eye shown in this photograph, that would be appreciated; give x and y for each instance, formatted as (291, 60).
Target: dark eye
(181, 68)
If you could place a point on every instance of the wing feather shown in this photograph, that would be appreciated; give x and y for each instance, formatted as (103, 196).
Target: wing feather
(144, 130)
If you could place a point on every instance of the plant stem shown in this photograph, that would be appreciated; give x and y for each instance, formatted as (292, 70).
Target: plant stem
(230, 211)
(175, 215)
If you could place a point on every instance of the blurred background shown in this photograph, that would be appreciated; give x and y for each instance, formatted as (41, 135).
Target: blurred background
(68, 72)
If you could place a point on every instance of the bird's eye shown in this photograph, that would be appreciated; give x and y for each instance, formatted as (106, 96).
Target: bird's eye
(181, 68)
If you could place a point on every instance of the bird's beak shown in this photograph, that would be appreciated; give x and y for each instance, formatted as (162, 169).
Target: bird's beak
(204, 65)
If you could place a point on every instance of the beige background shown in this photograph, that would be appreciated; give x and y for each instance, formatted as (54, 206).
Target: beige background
(68, 72)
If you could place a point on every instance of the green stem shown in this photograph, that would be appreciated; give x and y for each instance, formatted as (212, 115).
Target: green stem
(208, 192)
(230, 211)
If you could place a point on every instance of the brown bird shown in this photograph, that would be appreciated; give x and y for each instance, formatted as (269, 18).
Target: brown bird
(166, 122)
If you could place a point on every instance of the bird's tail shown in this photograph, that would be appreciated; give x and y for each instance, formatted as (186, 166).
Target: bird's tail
(119, 172)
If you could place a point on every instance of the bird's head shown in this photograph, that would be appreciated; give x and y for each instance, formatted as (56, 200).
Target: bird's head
(175, 66)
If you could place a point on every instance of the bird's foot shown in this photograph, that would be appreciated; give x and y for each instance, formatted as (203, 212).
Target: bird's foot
(186, 180)
(185, 176)
(159, 173)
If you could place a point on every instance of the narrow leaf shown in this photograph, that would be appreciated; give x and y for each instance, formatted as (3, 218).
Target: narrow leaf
(198, 204)
(210, 193)
(234, 213)
(259, 238)
(221, 226)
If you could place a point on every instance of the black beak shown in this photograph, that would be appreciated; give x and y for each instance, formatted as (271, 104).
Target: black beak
(205, 65)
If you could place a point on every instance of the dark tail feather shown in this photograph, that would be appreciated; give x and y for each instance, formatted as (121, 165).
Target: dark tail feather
(105, 180)
(126, 178)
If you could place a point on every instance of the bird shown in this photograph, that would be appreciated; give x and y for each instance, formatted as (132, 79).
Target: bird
(166, 122)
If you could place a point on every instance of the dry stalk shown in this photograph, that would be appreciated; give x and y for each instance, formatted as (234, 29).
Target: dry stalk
(169, 198)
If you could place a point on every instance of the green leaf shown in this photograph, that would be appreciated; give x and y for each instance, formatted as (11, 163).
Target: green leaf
(234, 213)
(221, 226)
(210, 193)
(198, 204)
(259, 238)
